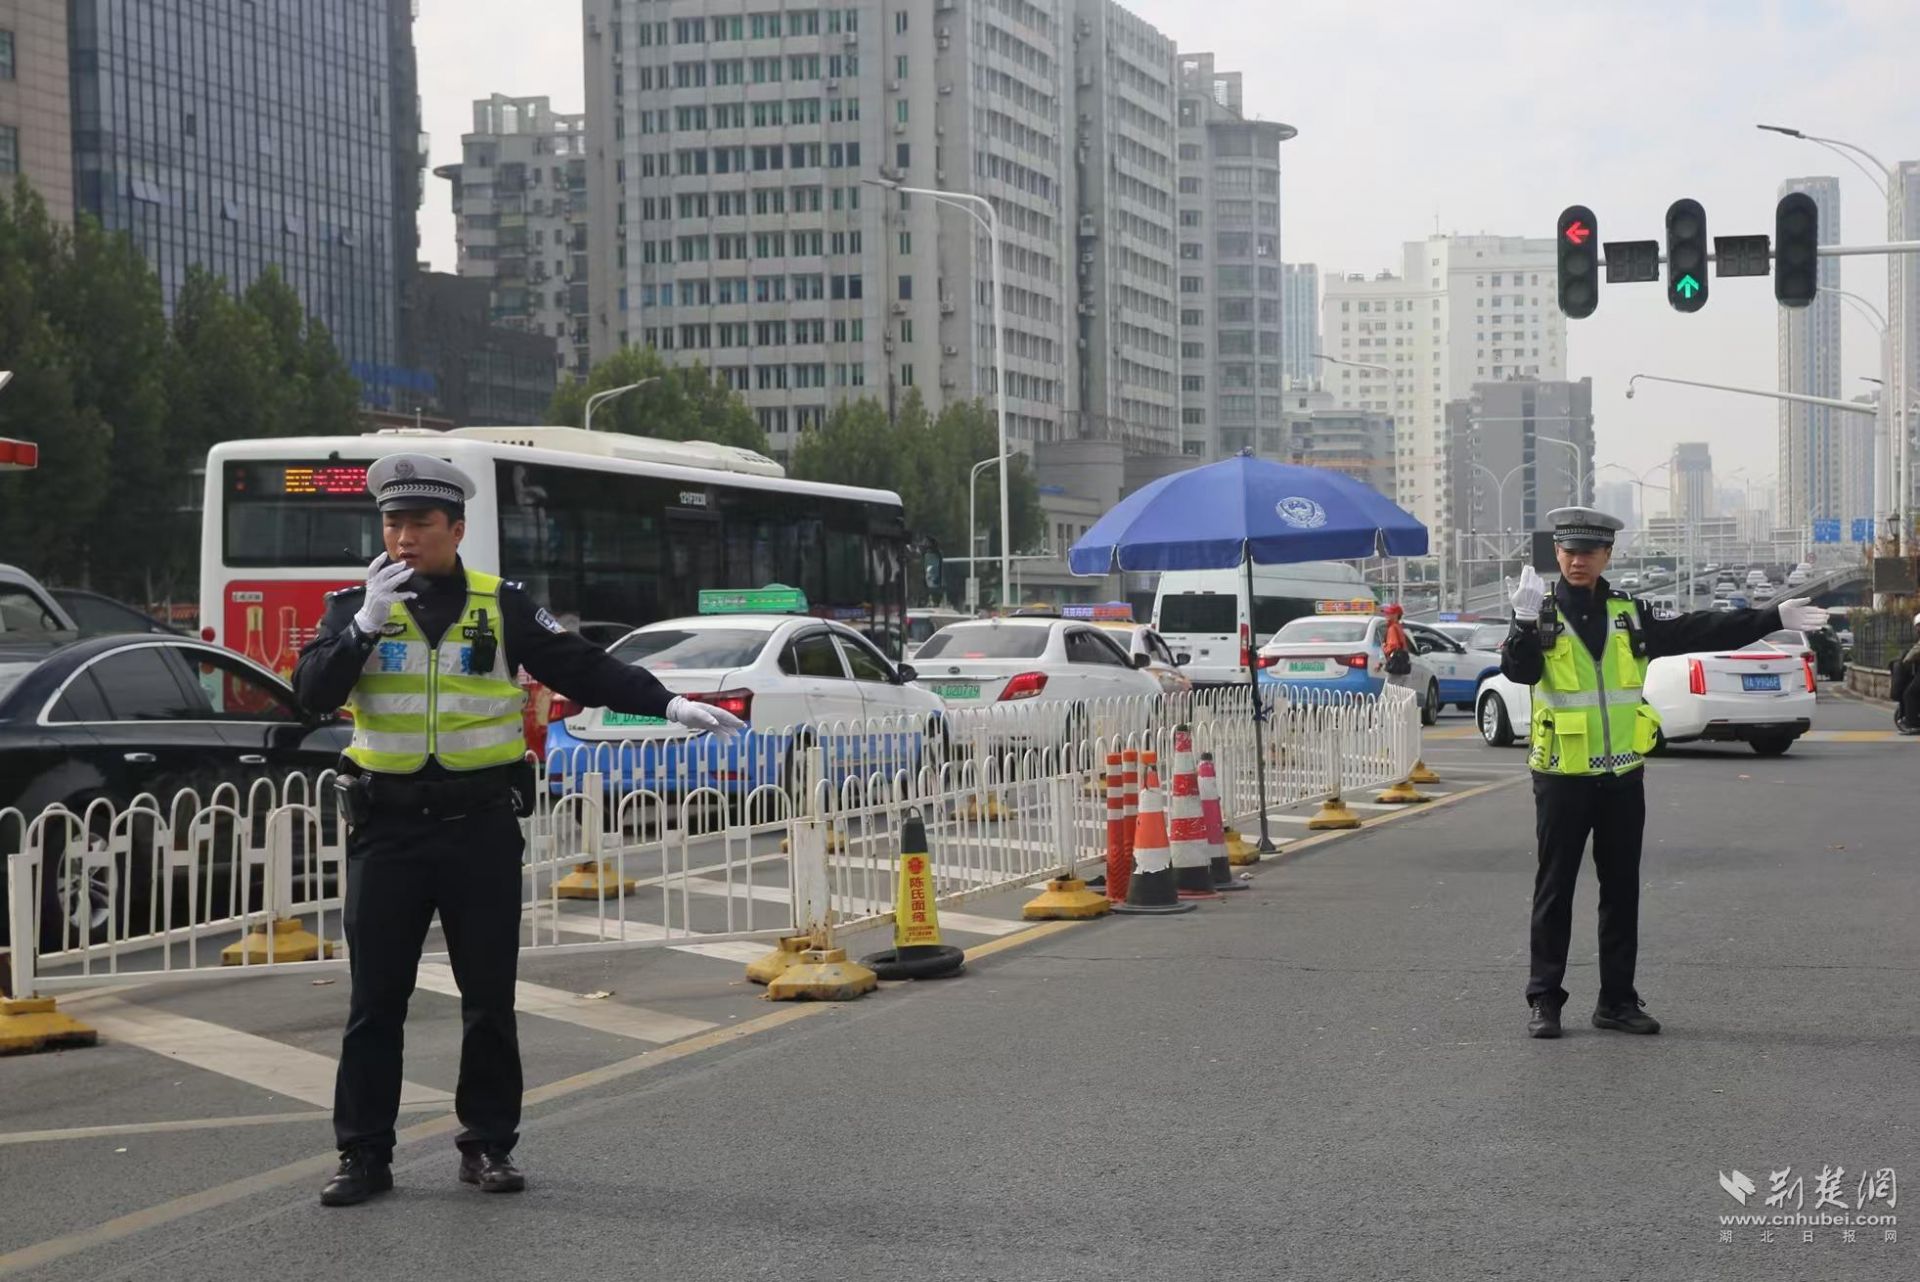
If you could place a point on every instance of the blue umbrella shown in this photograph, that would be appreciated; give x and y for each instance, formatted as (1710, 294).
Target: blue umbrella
(1245, 511)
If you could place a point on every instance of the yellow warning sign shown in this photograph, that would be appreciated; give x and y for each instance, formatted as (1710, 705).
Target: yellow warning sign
(916, 924)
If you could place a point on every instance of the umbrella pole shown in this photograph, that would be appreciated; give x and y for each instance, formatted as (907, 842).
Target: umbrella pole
(1266, 846)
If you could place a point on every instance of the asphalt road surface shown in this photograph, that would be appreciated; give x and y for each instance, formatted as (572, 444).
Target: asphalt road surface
(1326, 1077)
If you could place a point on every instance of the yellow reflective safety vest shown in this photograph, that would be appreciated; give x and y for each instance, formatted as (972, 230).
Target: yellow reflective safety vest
(1590, 718)
(415, 701)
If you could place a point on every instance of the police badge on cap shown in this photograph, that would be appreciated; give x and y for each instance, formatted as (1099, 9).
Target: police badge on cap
(1583, 529)
(402, 481)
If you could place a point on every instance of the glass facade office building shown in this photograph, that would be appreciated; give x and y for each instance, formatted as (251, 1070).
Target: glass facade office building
(243, 134)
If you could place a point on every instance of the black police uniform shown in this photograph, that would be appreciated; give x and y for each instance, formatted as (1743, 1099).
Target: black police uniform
(1611, 808)
(451, 842)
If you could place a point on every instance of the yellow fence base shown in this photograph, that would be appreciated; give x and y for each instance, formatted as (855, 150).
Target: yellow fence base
(291, 941)
(824, 975)
(1240, 852)
(790, 952)
(1422, 774)
(1402, 794)
(1333, 816)
(1066, 899)
(29, 1024)
(593, 880)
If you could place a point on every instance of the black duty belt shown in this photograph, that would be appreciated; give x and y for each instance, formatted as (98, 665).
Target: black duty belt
(375, 796)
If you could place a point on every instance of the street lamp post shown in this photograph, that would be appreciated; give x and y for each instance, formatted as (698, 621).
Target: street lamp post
(598, 397)
(969, 203)
(1887, 180)
(1500, 507)
(973, 555)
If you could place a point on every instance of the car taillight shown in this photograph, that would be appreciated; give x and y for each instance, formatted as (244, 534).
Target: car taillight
(562, 708)
(737, 702)
(1806, 665)
(1353, 661)
(1268, 660)
(1696, 677)
(1246, 645)
(1024, 686)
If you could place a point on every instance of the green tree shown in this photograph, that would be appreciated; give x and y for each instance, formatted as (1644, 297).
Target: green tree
(49, 517)
(687, 403)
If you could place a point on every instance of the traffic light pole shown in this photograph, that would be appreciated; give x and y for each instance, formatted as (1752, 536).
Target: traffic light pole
(1840, 251)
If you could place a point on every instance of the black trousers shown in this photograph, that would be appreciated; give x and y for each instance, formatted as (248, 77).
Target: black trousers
(1613, 810)
(399, 872)
(1906, 692)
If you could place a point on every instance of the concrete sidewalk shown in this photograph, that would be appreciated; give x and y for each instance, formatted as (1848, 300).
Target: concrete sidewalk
(1323, 1078)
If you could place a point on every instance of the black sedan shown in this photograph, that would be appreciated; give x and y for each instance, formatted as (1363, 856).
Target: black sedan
(116, 716)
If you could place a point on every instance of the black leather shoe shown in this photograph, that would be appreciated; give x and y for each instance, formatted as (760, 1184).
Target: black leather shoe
(1545, 1021)
(493, 1172)
(360, 1177)
(1626, 1017)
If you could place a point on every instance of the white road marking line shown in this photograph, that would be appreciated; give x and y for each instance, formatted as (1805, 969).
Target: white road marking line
(272, 1066)
(546, 923)
(971, 923)
(616, 1018)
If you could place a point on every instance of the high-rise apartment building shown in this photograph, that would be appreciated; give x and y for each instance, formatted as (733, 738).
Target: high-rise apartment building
(520, 218)
(1463, 311)
(1693, 493)
(1813, 482)
(1126, 337)
(1232, 379)
(1300, 323)
(36, 114)
(732, 158)
(1517, 450)
(1355, 443)
(237, 136)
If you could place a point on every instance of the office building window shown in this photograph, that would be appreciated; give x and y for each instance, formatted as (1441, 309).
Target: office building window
(9, 150)
(6, 55)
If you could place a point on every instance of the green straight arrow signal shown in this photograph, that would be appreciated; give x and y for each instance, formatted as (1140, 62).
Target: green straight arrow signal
(1687, 286)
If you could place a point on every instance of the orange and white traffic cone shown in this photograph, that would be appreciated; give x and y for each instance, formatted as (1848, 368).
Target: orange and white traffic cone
(1192, 869)
(1151, 887)
(1218, 864)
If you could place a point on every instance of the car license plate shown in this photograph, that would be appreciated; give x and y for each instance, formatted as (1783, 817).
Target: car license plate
(1767, 682)
(957, 689)
(630, 719)
(1307, 665)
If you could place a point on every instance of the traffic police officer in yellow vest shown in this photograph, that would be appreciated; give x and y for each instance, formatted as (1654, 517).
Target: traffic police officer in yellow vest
(1584, 649)
(435, 783)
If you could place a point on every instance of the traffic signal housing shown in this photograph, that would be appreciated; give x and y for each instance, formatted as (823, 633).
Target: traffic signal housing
(1686, 256)
(1796, 249)
(1579, 248)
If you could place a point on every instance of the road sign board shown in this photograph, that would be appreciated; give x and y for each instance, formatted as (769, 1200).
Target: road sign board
(1629, 261)
(1742, 255)
(1826, 531)
(1863, 529)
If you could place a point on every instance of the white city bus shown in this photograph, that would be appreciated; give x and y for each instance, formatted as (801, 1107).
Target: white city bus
(601, 527)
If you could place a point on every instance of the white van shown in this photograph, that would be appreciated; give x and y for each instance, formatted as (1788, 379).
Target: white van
(1200, 613)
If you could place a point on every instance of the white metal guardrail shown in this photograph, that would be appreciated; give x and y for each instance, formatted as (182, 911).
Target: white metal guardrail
(704, 845)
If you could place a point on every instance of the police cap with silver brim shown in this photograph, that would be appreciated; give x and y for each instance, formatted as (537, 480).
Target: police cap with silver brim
(1583, 529)
(402, 481)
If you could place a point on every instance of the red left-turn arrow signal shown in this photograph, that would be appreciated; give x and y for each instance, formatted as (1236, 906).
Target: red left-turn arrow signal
(1578, 232)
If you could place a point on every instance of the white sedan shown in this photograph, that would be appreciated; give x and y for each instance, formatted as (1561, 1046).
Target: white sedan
(1039, 657)
(795, 679)
(1762, 697)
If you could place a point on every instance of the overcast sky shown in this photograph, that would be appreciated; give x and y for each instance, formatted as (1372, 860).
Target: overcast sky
(1477, 115)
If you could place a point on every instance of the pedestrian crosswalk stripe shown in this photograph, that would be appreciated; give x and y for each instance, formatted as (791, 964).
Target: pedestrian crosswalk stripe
(602, 1016)
(968, 923)
(547, 923)
(274, 1067)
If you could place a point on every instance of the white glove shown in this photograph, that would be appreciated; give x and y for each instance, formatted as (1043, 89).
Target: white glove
(384, 578)
(703, 717)
(1798, 615)
(1527, 597)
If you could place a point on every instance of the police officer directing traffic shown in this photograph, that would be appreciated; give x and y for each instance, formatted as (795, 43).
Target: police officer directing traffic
(1585, 649)
(434, 784)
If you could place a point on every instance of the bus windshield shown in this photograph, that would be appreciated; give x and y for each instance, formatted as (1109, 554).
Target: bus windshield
(299, 514)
